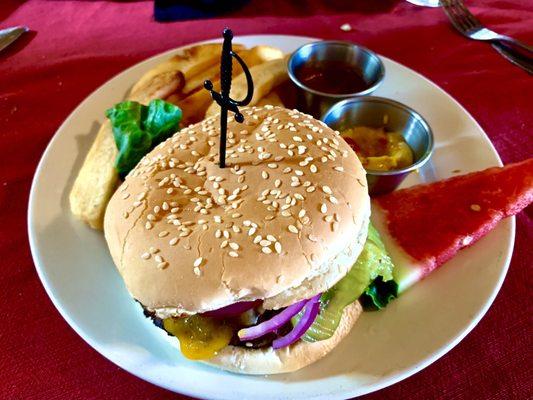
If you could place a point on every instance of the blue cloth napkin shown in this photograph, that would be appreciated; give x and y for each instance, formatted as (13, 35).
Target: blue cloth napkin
(177, 10)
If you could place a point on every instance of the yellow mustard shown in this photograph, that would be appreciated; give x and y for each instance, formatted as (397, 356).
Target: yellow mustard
(377, 149)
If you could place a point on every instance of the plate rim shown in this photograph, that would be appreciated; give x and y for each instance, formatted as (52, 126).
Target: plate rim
(381, 384)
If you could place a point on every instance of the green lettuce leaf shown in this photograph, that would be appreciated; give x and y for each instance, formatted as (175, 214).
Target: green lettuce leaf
(379, 294)
(373, 265)
(137, 129)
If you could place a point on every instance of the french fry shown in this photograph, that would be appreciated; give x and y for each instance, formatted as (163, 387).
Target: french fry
(197, 82)
(195, 105)
(98, 178)
(272, 99)
(170, 76)
(254, 56)
(266, 76)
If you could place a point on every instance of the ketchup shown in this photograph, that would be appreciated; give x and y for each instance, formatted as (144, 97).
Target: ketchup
(335, 77)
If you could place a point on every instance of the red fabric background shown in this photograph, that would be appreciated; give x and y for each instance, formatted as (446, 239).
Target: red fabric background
(78, 45)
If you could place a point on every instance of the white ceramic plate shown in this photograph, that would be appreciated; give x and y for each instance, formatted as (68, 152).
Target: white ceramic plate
(385, 347)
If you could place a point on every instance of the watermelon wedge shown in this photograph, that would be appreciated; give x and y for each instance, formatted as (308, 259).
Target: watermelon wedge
(426, 225)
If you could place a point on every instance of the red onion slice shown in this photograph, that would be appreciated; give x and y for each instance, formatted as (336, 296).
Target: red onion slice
(310, 312)
(273, 323)
(232, 310)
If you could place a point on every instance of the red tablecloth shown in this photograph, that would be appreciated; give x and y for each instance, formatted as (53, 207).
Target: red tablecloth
(78, 45)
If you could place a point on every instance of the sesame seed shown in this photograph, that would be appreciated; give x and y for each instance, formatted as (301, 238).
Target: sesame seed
(475, 207)
(323, 208)
(148, 225)
(340, 169)
(334, 226)
(328, 218)
(333, 199)
(252, 231)
(265, 242)
(257, 239)
(313, 168)
(277, 247)
(312, 238)
(145, 256)
(198, 262)
(233, 254)
(266, 250)
(173, 241)
(271, 238)
(264, 174)
(162, 265)
(326, 189)
(234, 246)
(158, 258)
(292, 229)
(197, 271)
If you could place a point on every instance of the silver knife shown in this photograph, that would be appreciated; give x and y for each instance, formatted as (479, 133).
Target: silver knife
(9, 35)
(516, 58)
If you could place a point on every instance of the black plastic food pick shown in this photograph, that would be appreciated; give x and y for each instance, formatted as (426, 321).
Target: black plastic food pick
(223, 98)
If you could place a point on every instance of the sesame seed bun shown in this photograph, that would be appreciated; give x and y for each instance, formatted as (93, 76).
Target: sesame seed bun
(284, 221)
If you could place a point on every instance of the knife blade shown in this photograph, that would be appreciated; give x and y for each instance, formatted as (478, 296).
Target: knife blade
(9, 35)
(516, 58)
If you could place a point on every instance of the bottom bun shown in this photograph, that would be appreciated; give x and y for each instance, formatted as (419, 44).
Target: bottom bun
(288, 359)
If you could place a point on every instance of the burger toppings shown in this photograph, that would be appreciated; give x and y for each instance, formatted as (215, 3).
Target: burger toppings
(246, 324)
(200, 336)
(272, 324)
(309, 315)
(373, 266)
(232, 310)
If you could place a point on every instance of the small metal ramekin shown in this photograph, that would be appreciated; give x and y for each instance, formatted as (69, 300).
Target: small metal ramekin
(365, 61)
(378, 112)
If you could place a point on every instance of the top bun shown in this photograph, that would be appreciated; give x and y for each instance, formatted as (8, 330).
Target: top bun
(283, 221)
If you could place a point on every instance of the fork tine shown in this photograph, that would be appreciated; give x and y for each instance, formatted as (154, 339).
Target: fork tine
(450, 12)
(454, 16)
(469, 18)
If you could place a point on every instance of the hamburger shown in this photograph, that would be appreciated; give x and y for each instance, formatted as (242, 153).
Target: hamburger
(258, 267)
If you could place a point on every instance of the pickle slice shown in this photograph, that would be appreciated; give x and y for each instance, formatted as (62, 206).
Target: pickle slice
(372, 262)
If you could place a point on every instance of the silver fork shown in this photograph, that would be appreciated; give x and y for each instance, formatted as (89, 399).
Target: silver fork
(469, 26)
